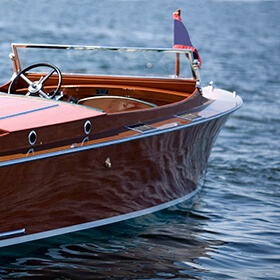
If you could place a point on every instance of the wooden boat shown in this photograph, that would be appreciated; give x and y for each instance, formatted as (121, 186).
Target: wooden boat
(79, 151)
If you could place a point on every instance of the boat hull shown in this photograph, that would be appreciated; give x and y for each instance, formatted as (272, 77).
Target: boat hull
(102, 184)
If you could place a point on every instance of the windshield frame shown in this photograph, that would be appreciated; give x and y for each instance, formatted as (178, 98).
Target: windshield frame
(188, 52)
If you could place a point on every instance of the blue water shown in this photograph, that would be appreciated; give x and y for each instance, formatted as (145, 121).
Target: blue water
(233, 229)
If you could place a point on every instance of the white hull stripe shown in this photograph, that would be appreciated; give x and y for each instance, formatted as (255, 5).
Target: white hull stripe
(107, 221)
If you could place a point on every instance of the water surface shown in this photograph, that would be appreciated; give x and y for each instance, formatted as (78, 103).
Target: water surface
(233, 229)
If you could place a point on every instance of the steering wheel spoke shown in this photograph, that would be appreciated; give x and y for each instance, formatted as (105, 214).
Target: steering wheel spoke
(26, 79)
(43, 94)
(48, 75)
(36, 87)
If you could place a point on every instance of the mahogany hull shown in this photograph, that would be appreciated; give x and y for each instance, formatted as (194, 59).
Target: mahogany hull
(76, 188)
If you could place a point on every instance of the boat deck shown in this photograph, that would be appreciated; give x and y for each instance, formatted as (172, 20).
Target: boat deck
(21, 113)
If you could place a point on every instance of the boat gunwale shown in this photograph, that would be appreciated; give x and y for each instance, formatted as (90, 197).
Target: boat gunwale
(154, 132)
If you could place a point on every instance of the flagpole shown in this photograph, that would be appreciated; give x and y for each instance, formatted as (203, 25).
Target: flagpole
(177, 65)
(177, 62)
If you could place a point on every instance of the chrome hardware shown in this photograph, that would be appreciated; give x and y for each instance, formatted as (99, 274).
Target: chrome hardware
(142, 127)
(35, 87)
(108, 163)
(190, 116)
(87, 127)
(212, 84)
(195, 70)
(32, 137)
(13, 58)
(12, 233)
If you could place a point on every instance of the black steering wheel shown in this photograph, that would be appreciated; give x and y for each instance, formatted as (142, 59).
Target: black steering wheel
(37, 87)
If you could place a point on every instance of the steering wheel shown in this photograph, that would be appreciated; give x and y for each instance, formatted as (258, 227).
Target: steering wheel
(37, 87)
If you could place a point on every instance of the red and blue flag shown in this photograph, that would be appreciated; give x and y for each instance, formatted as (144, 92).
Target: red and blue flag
(181, 36)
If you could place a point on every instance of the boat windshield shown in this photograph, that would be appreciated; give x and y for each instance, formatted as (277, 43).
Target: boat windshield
(113, 61)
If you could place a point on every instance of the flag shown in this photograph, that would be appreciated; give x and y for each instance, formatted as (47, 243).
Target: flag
(181, 36)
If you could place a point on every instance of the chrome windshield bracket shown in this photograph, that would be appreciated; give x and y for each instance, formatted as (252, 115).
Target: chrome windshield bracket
(13, 58)
(196, 75)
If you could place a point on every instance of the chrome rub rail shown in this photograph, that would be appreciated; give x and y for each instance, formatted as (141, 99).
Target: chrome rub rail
(12, 233)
